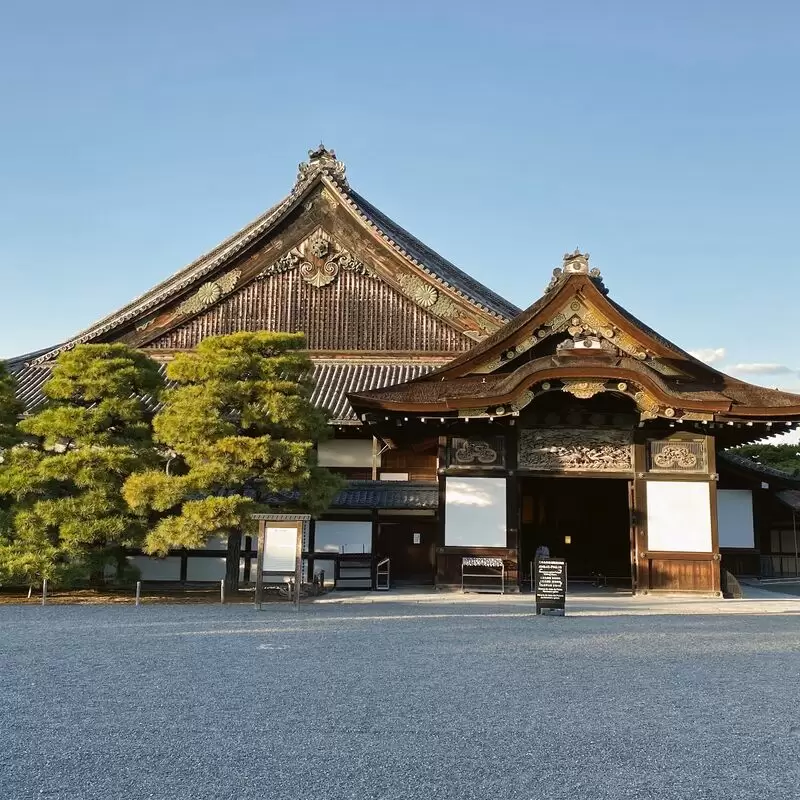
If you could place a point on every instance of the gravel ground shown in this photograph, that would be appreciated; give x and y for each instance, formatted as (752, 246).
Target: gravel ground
(449, 701)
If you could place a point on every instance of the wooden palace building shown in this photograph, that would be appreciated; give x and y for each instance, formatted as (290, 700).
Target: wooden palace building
(466, 426)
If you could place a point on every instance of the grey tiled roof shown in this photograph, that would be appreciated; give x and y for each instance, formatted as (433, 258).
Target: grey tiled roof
(419, 495)
(747, 464)
(791, 497)
(389, 494)
(438, 266)
(333, 380)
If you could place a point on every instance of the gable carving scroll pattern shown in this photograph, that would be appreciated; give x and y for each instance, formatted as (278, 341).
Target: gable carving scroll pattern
(320, 259)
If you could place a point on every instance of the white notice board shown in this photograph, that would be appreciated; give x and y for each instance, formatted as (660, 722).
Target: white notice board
(280, 551)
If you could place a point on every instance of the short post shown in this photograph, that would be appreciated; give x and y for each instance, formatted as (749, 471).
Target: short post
(44, 591)
(222, 591)
(138, 593)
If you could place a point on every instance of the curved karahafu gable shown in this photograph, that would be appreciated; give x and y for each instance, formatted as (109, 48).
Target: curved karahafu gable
(574, 339)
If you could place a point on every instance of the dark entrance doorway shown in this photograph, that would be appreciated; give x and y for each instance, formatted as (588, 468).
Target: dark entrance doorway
(410, 544)
(584, 520)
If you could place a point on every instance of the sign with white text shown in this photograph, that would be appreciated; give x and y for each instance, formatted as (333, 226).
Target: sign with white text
(551, 586)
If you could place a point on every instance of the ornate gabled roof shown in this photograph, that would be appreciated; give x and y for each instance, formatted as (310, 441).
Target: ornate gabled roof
(575, 339)
(439, 268)
(212, 272)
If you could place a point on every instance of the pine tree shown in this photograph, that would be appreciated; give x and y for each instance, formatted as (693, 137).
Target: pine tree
(10, 435)
(242, 429)
(10, 410)
(65, 479)
(784, 457)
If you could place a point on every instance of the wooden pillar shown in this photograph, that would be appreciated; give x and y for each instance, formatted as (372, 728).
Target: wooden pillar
(638, 511)
(374, 548)
(441, 463)
(711, 455)
(512, 499)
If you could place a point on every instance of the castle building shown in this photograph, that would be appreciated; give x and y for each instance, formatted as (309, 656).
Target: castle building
(467, 427)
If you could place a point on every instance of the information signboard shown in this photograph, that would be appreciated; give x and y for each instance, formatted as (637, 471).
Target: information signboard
(551, 586)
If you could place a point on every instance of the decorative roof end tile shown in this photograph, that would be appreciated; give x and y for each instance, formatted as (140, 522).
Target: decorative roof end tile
(321, 160)
(576, 263)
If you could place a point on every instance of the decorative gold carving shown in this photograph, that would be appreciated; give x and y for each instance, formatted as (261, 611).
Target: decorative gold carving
(698, 416)
(319, 274)
(674, 456)
(648, 405)
(583, 390)
(473, 412)
(319, 259)
(489, 366)
(209, 293)
(523, 400)
(473, 450)
(445, 307)
(622, 386)
(575, 263)
(665, 369)
(575, 450)
(427, 296)
(146, 324)
(228, 281)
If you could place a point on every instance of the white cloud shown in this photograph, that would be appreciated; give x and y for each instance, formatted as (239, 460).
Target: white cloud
(757, 368)
(711, 355)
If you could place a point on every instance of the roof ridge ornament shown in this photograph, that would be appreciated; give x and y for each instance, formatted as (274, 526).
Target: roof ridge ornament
(575, 263)
(321, 160)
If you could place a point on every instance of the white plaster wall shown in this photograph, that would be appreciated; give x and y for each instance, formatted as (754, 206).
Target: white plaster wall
(679, 516)
(346, 453)
(205, 569)
(158, 569)
(475, 512)
(342, 537)
(735, 518)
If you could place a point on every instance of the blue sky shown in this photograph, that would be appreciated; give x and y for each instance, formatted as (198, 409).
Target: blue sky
(662, 138)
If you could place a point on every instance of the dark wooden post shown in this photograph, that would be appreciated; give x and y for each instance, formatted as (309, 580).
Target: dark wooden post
(232, 562)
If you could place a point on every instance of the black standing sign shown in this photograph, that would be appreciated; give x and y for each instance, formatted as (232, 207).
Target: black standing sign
(551, 586)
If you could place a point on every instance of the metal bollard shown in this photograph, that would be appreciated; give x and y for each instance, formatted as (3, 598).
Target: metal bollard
(138, 593)
(222, 591)
(44, 591)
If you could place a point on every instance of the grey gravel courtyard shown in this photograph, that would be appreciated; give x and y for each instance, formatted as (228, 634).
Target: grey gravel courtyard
(443, 700)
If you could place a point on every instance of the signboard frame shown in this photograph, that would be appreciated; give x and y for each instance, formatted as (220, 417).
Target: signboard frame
(551, 594)
(300, 522)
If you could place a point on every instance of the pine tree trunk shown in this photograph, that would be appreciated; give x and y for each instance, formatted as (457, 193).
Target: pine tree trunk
(232, 562)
